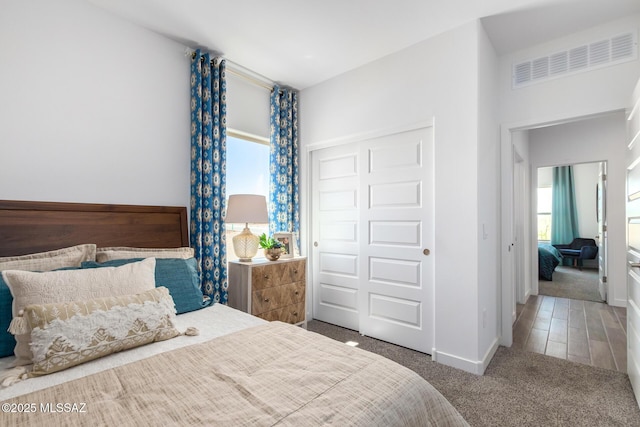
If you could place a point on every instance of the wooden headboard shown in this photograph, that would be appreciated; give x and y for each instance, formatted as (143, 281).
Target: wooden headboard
(30, 227)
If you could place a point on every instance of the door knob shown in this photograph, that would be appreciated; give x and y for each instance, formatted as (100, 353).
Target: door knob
(426, 252)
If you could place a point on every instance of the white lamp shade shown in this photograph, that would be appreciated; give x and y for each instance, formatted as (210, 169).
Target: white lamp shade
(247, 208)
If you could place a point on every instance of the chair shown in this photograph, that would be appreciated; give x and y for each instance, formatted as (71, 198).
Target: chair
(579, 249)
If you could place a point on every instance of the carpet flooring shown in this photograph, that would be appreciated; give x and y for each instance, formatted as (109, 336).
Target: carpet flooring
(518, 388)
(569, 282)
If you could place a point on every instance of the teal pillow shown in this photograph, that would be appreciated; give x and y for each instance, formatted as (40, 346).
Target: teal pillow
(7, 342)
(180, 276)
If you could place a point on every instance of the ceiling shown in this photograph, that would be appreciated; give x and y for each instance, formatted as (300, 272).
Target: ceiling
(302, 43)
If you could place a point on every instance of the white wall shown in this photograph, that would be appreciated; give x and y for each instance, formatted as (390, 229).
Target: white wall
(488, 185)
(93, 108)
(438, 79)
(593, 140)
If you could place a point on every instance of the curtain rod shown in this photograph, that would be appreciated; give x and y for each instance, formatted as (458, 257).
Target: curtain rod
(240, 71)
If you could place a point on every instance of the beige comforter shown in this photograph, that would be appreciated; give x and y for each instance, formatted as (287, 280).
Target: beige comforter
(273, 374)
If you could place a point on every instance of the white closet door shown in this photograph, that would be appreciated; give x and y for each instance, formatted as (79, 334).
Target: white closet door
(396, 297)
(373, 231)
(335, 207)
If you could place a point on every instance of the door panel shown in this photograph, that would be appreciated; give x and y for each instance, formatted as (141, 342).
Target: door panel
(335, 200)
(396, 297)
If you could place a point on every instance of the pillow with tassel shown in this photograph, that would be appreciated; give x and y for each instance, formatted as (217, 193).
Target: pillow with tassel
(68, 334)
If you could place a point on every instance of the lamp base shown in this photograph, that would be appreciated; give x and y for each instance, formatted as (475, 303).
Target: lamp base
(246, 245)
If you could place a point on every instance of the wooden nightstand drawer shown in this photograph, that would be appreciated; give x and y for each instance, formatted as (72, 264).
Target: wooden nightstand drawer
(272, 290)
(297, 270)
(276, 297)
(268, 276)
(293, 313)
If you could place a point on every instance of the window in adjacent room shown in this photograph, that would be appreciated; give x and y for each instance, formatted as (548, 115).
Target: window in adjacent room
(544, 213)
(247, 173)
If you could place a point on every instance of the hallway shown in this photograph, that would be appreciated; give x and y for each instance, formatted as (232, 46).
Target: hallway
(581, 331)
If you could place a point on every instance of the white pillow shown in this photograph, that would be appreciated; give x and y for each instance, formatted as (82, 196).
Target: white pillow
(108, 254)
(30, 288)
(45, 261)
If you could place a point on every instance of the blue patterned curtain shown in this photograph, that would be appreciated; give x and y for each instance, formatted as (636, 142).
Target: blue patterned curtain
(564, 214)
(208, 172)
(284, 206)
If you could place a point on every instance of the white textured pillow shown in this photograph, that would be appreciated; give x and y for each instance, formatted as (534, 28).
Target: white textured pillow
(30, 288)
(45, 261)
(108, 254)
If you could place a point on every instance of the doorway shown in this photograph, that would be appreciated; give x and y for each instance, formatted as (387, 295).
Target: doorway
(582, 274)
(564, 141)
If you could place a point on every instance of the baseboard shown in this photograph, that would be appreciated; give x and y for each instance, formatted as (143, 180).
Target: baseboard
(618, 303)
(474, 367)
(491, 351)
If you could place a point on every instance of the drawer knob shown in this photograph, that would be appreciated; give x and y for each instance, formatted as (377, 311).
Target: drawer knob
(266, 300)
(295, 313)
(295, 271)
(297, 292)
(266, 276)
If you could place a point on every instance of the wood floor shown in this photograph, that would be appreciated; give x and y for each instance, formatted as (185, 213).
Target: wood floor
(581, 331)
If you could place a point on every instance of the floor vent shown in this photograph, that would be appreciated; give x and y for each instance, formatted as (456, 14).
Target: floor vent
(598, 54)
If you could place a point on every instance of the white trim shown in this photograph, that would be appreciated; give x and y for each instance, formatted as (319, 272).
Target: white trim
(488, 356)
(633, 112)
(633, 141)
(475, 367)
(362, 136)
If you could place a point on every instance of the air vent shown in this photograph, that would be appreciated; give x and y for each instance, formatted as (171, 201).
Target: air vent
(623, 46)
(578, 58)
(540, 69)
(558, 63)
(598, 54)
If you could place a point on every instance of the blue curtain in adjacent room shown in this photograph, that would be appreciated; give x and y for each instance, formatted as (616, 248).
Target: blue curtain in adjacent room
(208, 172)
(284, 203)
(564, 216)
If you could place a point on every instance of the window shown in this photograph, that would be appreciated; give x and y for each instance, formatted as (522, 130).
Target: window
(544, 213)
(247, 173)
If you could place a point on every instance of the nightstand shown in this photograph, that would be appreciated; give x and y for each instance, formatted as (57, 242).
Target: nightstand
(272, 290)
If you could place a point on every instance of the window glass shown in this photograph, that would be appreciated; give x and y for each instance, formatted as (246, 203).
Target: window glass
(544, 213)
(247, 173)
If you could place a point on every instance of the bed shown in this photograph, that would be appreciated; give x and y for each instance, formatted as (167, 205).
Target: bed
(238, 370)
(548, 260)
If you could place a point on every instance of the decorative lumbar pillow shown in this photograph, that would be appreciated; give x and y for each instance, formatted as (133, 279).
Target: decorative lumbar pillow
(30, 288)
(43, 261)
(68, 334)
(107, 254)
(178, 275)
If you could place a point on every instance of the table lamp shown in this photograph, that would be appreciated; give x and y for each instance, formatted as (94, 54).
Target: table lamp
(247, 208)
